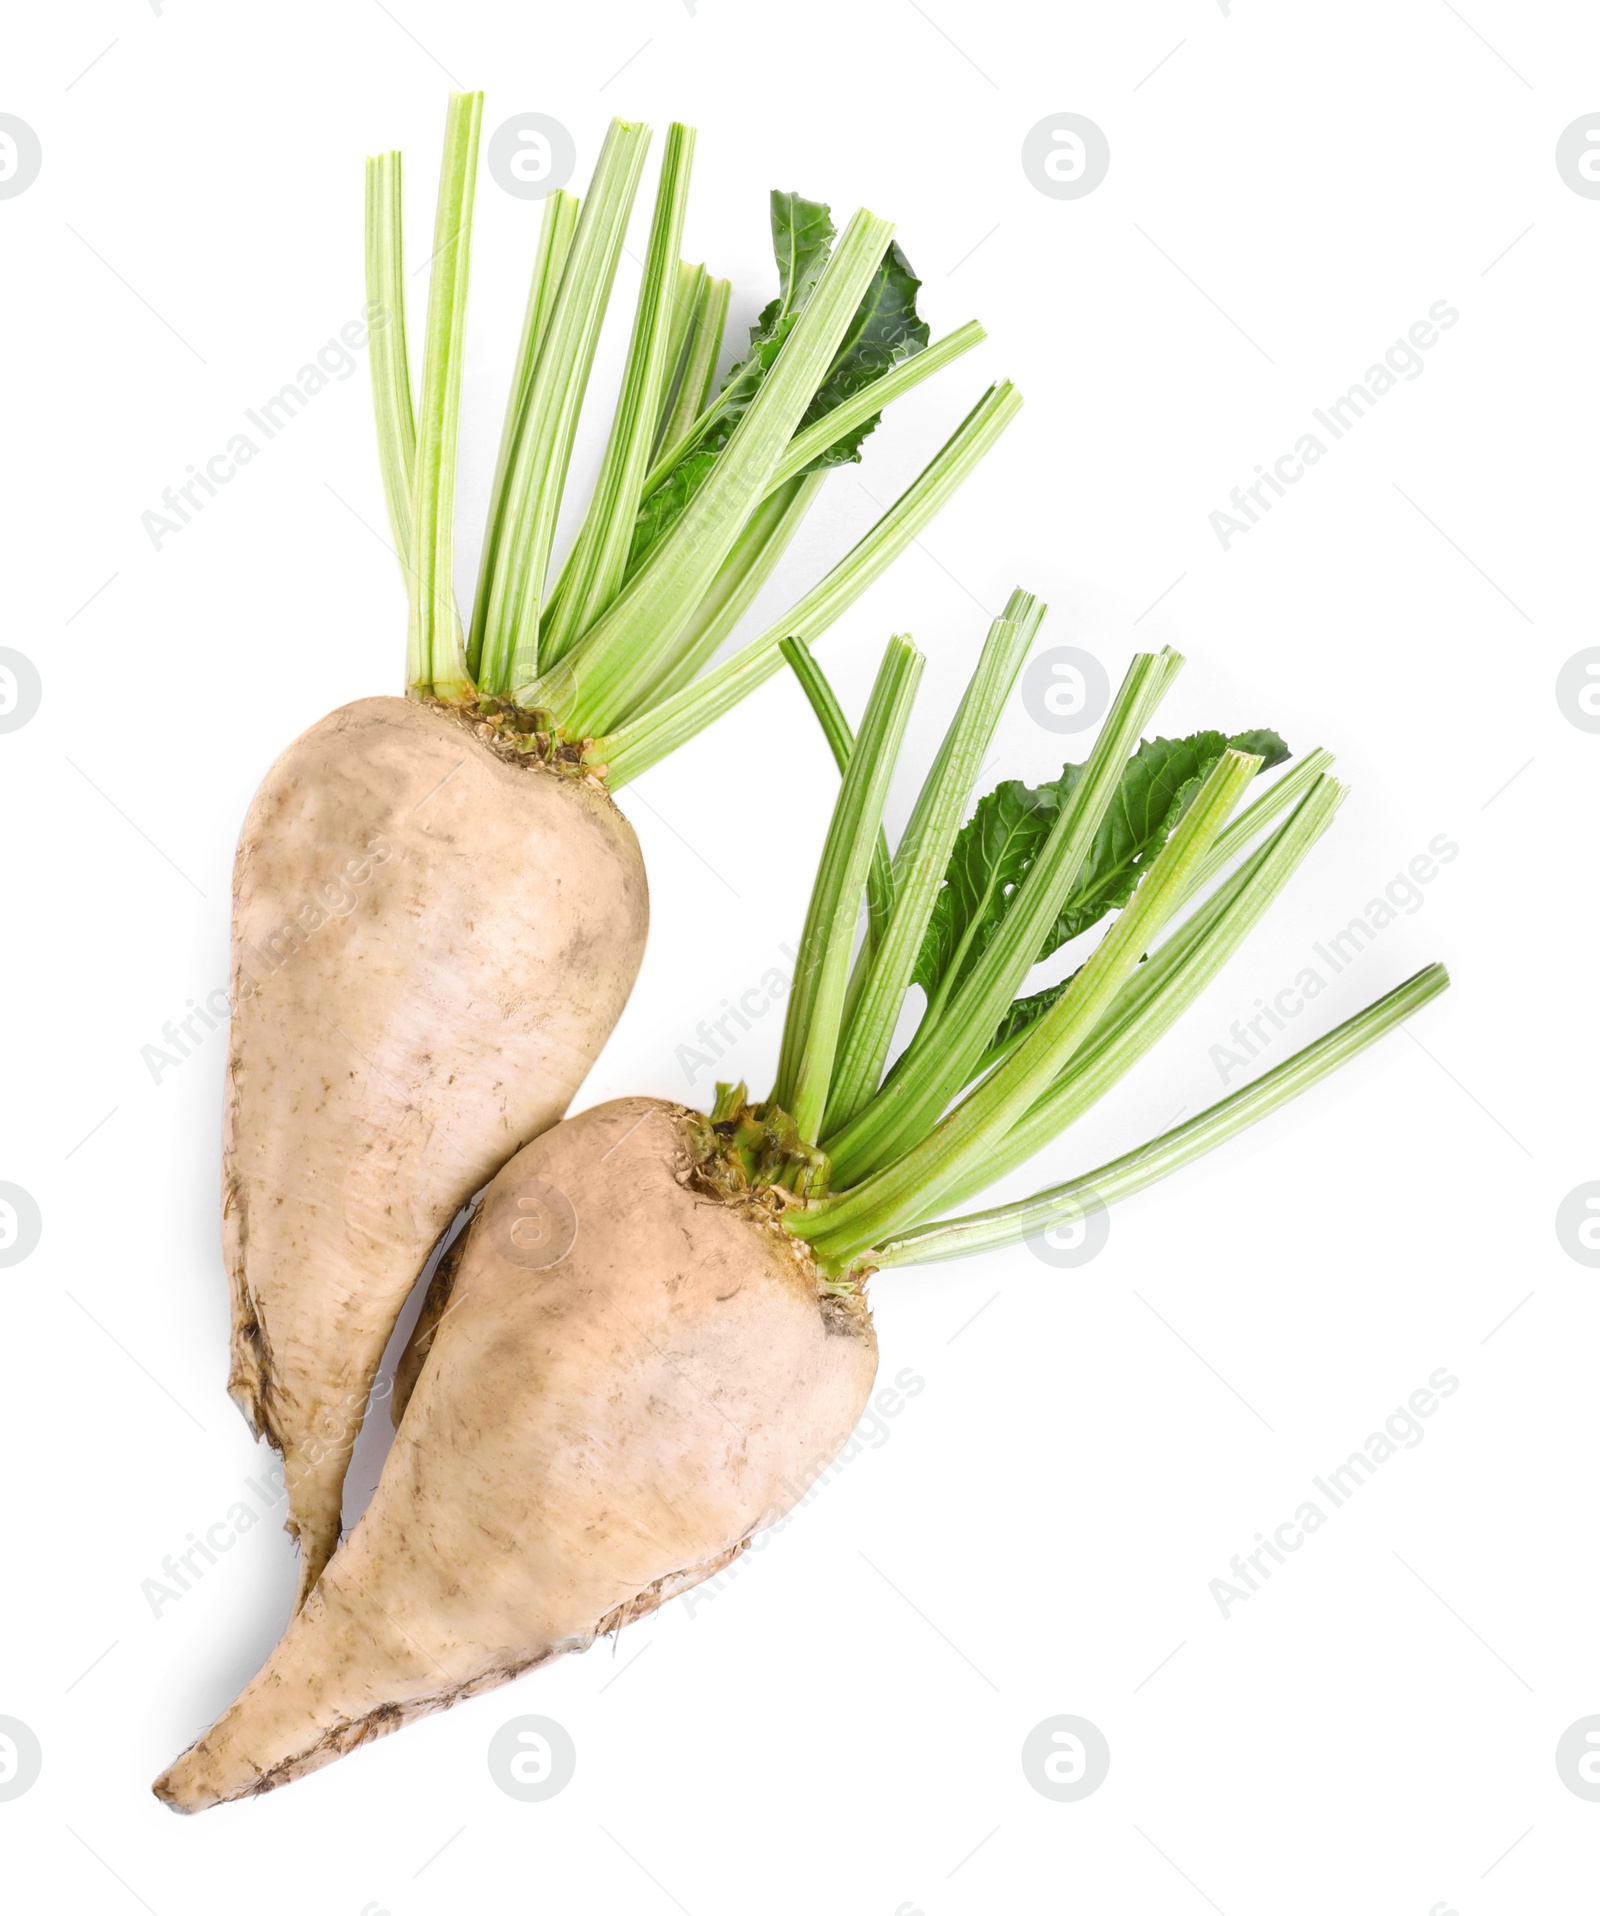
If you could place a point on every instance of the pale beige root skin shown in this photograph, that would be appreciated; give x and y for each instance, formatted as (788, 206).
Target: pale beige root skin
(583, 1442)
(430, 945)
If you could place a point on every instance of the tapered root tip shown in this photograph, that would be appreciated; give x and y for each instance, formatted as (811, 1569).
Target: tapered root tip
(182, 1788)
(218, 1770)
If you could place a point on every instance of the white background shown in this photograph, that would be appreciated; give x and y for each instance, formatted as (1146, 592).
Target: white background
(842, 1725)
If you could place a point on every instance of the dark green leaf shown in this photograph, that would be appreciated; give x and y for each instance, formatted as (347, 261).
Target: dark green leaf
(1158, 785)
(667, 501)
(1264, 743)
(802, 238)
(884, 330)
(997, 846)
(993, 853)
(1027, 1011)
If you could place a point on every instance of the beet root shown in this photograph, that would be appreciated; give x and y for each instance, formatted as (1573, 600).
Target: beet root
(431, 942)
(632, 1376)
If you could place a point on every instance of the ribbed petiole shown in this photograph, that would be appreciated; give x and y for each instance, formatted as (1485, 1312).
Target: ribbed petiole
(841, 742)
(688, 285)
(594, 570)
(816, 999)
(393, 404)
(556, 228)
(952, 1036)
(1160, 990)
(1282, 795)
(1065, 1203)
(436, 663)
(593, 686)
(889, 386)
(707, 323)
(537, 473)
(809, 444)
(924, 855)
(906, 1191)
(644, 739)
(758, 548)
(1288, 792)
